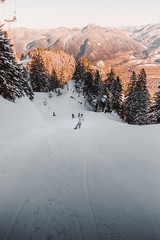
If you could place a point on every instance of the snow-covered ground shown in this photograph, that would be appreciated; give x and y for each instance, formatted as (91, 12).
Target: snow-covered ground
(100, 182)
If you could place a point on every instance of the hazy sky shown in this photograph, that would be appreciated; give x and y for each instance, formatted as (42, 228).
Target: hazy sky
(73, 13)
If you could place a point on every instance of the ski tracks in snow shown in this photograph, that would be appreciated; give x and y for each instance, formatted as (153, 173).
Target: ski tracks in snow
(106, 227)
(16, 217)
(67, 147)
(88, 190)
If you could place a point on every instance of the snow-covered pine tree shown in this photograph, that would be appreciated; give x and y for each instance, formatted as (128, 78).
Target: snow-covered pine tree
(131, 102)
(26, 84)
(110, 79)
(108, 88)
(105, 91)
(10, 73)
(53, 81)
(79, 76)
(96, 90)
(39, 74)
(116, 96)
(123, 110)
(155, 108)
(143, 99)
(88, 86)
(137, 100)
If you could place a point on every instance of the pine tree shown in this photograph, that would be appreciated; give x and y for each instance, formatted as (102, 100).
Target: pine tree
(39, 74)
(123, 110)
(96, 91)
(105, 92)
(155, 108)
(143, 99)
(108, 89)
(79, 76)
(26, 84)
(53, 81)
(9, 71)
(110, 79)
(87, 89)
(131, 104)
(116, 96)
(138, 100)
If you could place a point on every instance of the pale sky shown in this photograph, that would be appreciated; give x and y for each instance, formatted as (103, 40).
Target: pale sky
(73, 13)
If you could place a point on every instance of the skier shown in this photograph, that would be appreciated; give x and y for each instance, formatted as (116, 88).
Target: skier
(81, 119)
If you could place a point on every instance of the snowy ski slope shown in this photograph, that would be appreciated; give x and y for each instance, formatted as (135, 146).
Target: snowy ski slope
(101, 182)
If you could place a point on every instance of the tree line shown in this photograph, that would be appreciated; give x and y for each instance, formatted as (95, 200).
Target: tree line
(134, 105)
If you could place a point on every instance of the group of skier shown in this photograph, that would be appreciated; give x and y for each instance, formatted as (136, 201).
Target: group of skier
(80, 121)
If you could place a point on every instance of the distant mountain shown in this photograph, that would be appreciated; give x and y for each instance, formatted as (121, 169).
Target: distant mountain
(149, 35)
(125, 49)
(23, 36)
(93, 42)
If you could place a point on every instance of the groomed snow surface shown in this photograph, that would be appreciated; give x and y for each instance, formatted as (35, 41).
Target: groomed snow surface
(100, 182)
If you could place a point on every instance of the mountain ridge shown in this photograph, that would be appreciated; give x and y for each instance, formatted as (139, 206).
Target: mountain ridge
(126, 50)
(93, 42)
